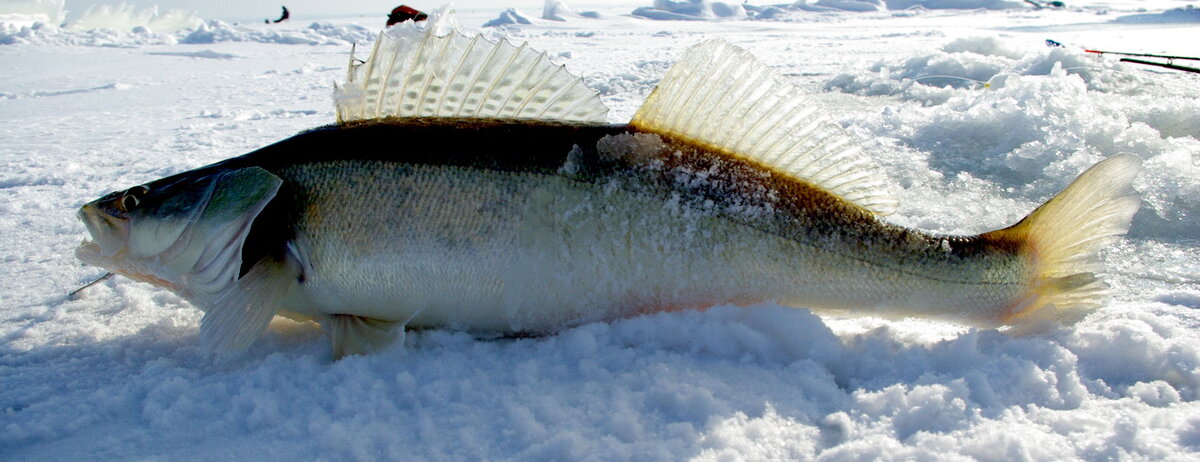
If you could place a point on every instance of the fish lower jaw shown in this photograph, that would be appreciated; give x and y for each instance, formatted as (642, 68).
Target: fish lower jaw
(92, 253)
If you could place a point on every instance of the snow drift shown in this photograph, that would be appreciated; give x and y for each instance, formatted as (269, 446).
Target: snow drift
(511, 16)
(1024, 118)
(124, 17)
(23, 13)
(690, 10)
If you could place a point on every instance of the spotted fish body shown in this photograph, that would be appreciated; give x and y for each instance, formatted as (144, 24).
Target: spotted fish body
(493, 223)
(557, 233)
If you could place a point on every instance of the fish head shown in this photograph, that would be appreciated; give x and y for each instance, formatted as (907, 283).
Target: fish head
(183, 232)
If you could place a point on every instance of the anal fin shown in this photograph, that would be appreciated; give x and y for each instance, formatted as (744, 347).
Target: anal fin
(357, 335)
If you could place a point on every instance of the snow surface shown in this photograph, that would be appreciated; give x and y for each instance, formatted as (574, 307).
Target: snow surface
(975, 119)
(510, 16)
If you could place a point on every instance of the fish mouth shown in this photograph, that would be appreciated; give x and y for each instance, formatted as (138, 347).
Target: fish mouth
(108, 247)
(88, 252)
(108, 235)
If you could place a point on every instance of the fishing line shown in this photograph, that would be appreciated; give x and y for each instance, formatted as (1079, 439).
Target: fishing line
(981, 83)
(74, 293)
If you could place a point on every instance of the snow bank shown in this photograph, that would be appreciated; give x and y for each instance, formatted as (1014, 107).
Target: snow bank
(756, 383)
(849, 5)
(24, 13)
(1184, 15)
(691, 10)
(898, 5)
(509, 17)
(1030, 119)
(52, 35)
(557, 10)
(696, 10)
(213, 31)
(317, 33)
(895, 5)
(122, 25)
(101, 25)
(123, 17)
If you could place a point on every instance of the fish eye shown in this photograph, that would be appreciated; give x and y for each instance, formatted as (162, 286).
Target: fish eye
(130, 199)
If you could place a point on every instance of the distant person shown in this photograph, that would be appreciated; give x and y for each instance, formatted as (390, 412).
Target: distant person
(404, 13)
(1037, 5)
(282, 18)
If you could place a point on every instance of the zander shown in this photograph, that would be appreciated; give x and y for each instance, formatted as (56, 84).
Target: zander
(474, 185)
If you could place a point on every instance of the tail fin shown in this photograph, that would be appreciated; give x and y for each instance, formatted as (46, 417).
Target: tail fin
(1064, 236)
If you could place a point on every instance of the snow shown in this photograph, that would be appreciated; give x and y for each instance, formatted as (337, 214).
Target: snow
(124, 17)
(974, 118)
(690, 10)
(29, 12)
(1183, 15)
(510, 16)
(557, 10)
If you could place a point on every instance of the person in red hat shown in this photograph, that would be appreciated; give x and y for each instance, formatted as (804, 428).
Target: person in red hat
(404, 13)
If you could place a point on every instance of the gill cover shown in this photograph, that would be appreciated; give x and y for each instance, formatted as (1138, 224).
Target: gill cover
(210, 249)
(183, 232)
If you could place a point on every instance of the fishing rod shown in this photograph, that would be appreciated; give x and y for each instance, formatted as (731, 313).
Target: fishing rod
(1144, 55)
(1167, 65)
(1170, 64)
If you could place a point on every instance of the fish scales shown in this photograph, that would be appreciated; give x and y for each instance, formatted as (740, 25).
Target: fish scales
(581, 223)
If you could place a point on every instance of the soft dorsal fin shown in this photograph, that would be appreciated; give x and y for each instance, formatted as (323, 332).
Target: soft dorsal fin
(721, 96)
(413, 72)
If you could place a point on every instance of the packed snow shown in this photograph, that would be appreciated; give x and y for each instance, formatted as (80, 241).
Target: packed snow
(511, 16)
(976, 120)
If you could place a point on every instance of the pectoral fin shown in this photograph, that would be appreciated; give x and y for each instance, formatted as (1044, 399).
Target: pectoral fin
(238, 315)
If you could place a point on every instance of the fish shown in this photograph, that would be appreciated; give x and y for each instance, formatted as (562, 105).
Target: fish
(475, 185)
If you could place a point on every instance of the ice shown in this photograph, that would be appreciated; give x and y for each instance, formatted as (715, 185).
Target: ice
(18, 13)
(1182, 15)
(851, 5)
(1031, 119)
(507, 17)
(317, 33)
(974, 118)
(41, 33)
(557, 10)
(690, 10)
(123, 17)
(956, 4)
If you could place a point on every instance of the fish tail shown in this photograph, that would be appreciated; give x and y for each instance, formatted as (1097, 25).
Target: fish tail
(1063, 237)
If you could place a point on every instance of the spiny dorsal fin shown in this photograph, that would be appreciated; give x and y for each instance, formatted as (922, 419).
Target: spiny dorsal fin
(723, 97)
(413, 72)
